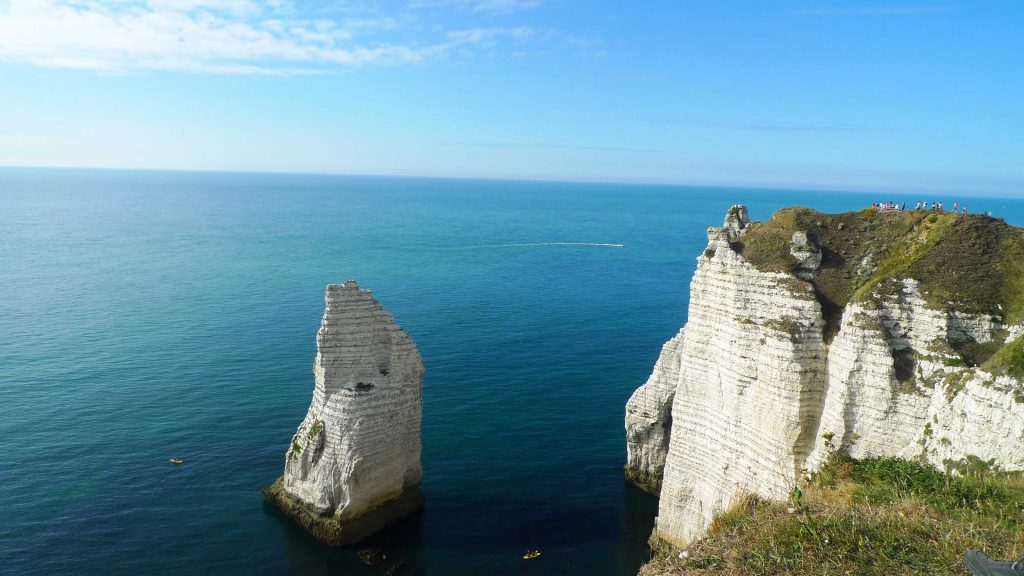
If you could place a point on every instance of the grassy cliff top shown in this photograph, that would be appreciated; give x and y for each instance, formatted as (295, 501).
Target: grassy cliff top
(874, 517)
(970, 262)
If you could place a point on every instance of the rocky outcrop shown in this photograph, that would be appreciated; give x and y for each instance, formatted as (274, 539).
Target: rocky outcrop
(807, 255)
(353, 465)
(649, 419)
(896, 387)
(814, 334)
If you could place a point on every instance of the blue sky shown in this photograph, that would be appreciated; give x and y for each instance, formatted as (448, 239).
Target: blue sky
(840, 95)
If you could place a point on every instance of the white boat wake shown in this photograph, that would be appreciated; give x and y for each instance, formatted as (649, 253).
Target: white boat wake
(533, 244)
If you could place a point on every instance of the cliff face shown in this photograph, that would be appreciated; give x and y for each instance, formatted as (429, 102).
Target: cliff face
(879, 334)
(649, 419)
(353, 465)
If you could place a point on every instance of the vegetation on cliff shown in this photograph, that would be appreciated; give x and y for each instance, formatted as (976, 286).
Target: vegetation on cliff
(879, 516)
(968, 262)
(1008, 360)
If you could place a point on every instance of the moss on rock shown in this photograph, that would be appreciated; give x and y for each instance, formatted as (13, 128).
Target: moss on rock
(1008, 360)
(335, 532)
(647, 481)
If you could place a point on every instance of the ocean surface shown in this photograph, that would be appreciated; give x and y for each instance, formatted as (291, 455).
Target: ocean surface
(149, 315)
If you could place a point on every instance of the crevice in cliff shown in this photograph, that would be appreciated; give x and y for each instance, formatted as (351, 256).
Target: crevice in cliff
(831, 314)
(666, 428)
(904, 364)
(976, 353)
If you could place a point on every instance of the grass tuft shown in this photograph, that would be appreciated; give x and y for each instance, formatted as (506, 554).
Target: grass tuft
(1008, 360)
(871, 517)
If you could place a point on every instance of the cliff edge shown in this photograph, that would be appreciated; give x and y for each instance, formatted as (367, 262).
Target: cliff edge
(353, 465)
(871, 333)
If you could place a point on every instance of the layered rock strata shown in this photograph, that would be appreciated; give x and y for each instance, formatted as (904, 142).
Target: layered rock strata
(353, 465)
(798, 345)
(649, 419)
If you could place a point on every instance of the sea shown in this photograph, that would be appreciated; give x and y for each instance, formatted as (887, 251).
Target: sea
(147, 315)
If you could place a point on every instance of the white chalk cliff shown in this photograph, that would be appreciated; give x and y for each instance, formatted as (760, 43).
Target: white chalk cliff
(353, 465)
(759, 387)
(649, 419)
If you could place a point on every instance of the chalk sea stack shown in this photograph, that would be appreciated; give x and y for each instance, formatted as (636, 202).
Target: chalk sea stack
(353, 465)
(873, 334)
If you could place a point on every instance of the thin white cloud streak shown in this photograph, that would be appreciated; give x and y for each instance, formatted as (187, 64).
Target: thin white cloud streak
(892, 10)
(763, 125)
(479, 6)
(780, 126)
(523, 145)
(215, 36)
(32, 141)
(487, 36)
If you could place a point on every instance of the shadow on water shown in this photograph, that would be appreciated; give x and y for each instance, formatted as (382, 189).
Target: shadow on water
(309, 557)
(492, 540)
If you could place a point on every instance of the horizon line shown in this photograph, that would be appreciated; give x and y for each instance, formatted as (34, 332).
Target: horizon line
(554, 180)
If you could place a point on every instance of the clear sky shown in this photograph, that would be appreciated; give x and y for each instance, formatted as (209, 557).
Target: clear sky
(869, 95)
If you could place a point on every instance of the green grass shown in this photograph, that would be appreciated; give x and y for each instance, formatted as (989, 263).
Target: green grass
(955, 382)
(1008, 360)
(870, 517)
(974, 261)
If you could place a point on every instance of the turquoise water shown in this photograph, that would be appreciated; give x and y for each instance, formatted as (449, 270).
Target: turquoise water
(145, 315)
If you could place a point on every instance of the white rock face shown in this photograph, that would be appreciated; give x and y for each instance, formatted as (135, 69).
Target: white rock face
(649, 419)
(357, 452)
(807, 254)
(750, 366)
(754, 388)
(932, 410)
(1014, 332)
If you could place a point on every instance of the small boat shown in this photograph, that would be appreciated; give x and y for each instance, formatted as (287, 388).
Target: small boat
(177, 461)
(531, 555)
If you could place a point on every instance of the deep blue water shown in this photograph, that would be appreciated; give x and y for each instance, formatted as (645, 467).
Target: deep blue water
(145, 315)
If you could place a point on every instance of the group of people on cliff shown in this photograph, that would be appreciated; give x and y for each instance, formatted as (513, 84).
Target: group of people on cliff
(889, 206)
(922, 205)
(937, 206)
